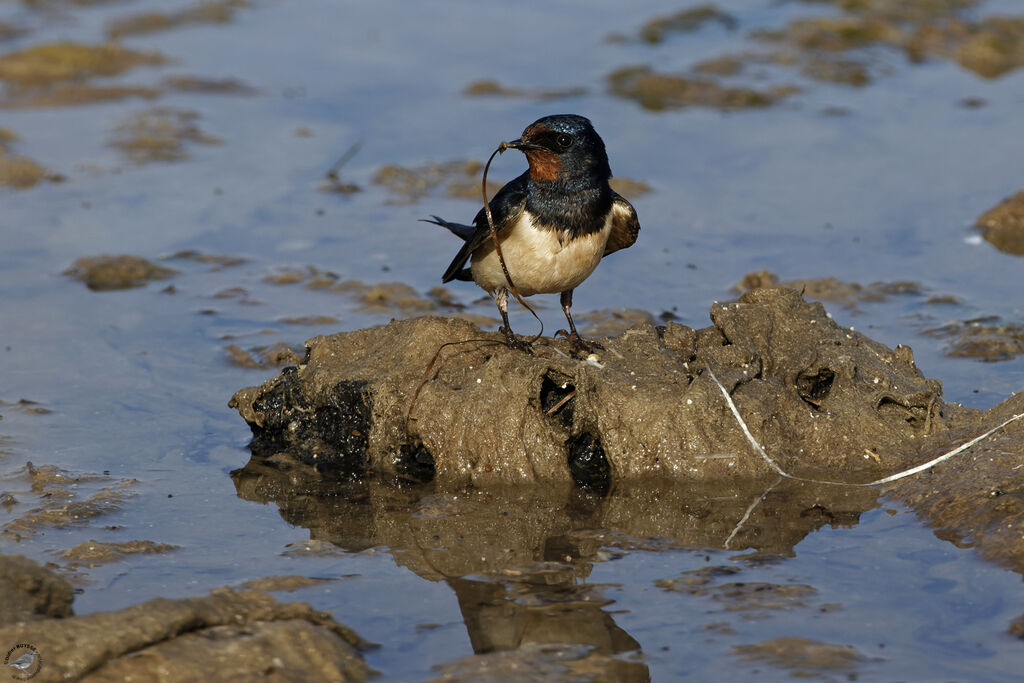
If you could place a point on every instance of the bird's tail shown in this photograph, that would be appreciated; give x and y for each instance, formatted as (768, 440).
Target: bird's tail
(463, 232)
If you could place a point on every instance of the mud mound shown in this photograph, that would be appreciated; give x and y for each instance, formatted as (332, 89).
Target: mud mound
(438, 398)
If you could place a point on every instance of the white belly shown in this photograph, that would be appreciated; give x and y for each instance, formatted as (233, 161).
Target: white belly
(537, 261)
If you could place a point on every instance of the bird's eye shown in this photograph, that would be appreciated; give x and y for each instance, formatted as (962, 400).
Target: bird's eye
(565, 141)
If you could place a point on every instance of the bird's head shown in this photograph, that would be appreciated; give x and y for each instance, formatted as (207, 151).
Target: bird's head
(563, 147)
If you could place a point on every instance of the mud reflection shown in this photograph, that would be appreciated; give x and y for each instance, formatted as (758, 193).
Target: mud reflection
(519, 558)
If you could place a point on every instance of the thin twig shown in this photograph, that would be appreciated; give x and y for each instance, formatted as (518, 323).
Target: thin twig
(565, 399)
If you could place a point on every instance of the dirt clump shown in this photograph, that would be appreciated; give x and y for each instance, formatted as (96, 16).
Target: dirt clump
(49, 63)
(227, 635)
(103, 273)
(847, 294)
(206, 12)
(160, 135)
(817, 395)
(1003, 225)
(90, 554)
(31, 592)
(985, 339)
(19, 172)
(489, 87)
(658, 91)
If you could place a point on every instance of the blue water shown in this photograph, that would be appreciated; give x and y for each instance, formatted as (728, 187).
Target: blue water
(138, 380)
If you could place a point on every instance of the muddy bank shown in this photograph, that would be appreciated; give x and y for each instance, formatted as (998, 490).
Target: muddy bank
(827, 402)
(639, 441)
(227, 635)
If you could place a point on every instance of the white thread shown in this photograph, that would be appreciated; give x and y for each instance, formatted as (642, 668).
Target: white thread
(885, 480)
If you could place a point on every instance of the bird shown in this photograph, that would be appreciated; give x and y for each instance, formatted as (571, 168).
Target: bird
(24, 662)
(555, 222)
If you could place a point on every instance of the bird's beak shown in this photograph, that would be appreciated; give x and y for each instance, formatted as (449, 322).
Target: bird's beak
(521, 145)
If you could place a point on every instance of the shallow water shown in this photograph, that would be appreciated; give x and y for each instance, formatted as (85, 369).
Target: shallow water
(136, 380)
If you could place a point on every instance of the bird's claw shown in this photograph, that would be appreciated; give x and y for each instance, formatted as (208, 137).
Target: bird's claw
(578, 343)
(514, 343)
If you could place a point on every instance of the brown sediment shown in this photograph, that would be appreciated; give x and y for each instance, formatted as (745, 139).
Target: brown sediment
(685, 21)
(18, 172)
(658, 91)
(49, 63)
(1003, 225)
(160, 135)
(228, 635)
(986, 339)
(206, 12)
(101, 273)
(63, 503)
(211, 86)
(96, 553)
(489, 87)
(408, 184)
(847, 294)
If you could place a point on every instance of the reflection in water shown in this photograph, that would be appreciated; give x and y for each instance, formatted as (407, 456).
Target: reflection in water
(518, 558)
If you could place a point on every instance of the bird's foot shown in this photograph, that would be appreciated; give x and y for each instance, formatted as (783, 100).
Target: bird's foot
(578, 343)
(514, 343)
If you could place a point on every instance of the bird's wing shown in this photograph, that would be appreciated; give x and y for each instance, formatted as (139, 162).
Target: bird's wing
(625, 225)
(506, 207)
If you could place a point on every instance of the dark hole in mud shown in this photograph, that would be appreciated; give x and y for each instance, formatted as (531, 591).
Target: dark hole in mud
(553, 393)
(416, 463)
(890, 404)
(332, 437)
(814, 388)
(588, 465)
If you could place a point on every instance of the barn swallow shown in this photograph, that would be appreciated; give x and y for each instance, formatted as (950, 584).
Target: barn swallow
(555, 222)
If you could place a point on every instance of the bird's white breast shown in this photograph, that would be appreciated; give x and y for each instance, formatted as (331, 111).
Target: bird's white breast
(539, 261)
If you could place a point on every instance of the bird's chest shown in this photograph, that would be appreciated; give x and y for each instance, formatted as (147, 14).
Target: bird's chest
(540, 261)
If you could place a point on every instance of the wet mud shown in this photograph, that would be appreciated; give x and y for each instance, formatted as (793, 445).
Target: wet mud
(160, 135)
(102, 273)
(489, 87)
(207, 12)
(228, 635)
(660, 91)
(19, 172)
(827, 49)
(371, 441)
(443, 391)
(1003, 225)
(985, 339)
(847, 294)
